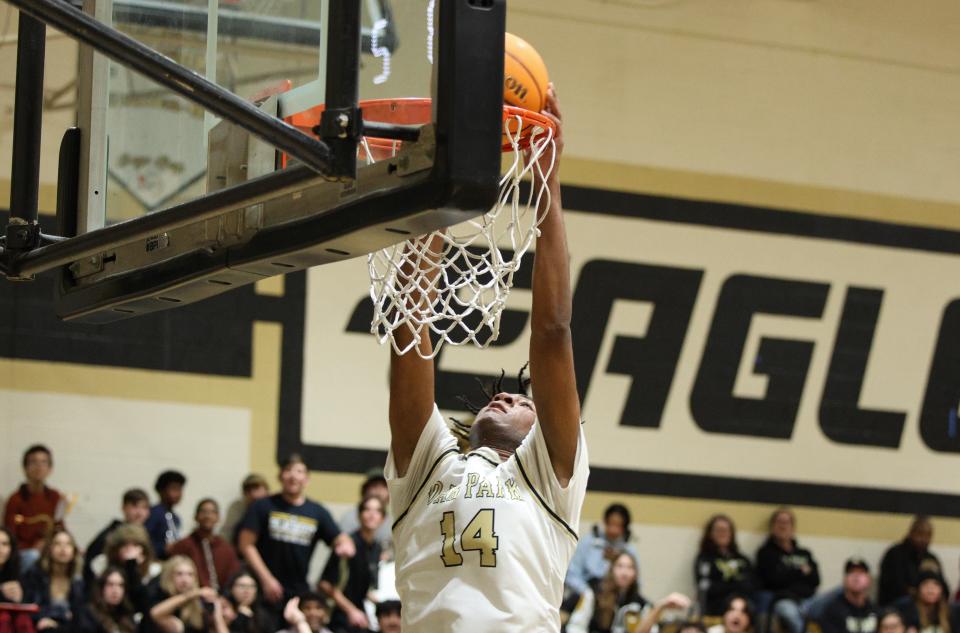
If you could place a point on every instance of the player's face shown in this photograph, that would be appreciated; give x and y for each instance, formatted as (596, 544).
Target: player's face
(504, 422)
(136, 513)
(736, 620)
(113, 588)
(293, 479)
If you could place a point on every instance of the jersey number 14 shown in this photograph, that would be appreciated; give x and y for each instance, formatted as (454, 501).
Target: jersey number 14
(478, 536)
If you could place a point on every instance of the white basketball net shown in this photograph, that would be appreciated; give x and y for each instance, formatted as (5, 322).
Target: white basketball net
(455, 282)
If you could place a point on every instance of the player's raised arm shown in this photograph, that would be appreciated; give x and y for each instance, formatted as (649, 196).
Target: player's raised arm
(411, 384)
(551, 351)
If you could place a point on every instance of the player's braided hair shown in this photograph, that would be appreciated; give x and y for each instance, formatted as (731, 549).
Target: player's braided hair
(462, 429)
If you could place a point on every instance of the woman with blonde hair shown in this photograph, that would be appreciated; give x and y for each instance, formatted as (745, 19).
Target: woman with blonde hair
(185, 607)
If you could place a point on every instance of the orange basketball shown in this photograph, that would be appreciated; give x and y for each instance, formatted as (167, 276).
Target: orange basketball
(525, 76)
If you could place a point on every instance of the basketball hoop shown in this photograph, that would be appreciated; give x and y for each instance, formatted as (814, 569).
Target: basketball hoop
(455, 282)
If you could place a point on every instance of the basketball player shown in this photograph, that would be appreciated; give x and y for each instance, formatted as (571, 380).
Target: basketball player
(483, 539)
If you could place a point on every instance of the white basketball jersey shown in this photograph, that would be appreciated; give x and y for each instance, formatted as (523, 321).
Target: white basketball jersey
(483, 544)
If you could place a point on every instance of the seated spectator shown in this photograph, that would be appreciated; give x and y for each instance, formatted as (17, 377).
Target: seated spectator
(349, 581)
(253, 487)
(388, 616)
(374, 485)
(180, 602)
(787, 570)
(279, 534)
(243, 592)
(34, 509)
(607, 596)
(109, 611)
(54, 583)
(215, 558)
(596, 549)
(128, 549)
(738, 616)
(650, 618)
(308, 613)
(903, 562)
(851, 611)
(135, 508)
(163, 524)
(10, 588)
(892, 622)
(720, 569)
(927, 610)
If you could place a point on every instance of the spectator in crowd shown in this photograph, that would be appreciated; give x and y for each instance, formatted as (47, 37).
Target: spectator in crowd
(787, 570)
(649, 618)
(128, 549)
(903, 562)
(348, 582)
(892, 622)
(244, 595)
(927, 610)
(720, 569)
(135, 508)
(108, 611)
(591, 559)
(10, 588)
(374, 485)
(308, 613)
(852, 611)
(215, 558)
(738, 615)
(279, 533)
(54, 583)
(388, 616)
(602, 603)
(182, 605)
(34, 509)
(254, 487)
(163, 524)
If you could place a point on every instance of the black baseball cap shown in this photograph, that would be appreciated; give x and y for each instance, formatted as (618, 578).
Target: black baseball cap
(855, 562)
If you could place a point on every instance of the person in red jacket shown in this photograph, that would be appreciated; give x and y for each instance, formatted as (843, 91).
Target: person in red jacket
(34, 509)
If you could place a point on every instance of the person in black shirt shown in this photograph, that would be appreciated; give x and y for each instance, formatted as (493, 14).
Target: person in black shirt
(787, 570)
(135, 507)
(279, 533)
(109, 611)
(53, 583)
(348, 582)
(720, 569)
(928, 610)
(852, 611)
(903, 562)
(10, 589)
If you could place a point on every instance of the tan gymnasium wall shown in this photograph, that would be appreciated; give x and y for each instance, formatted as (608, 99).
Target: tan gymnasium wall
(704, 311)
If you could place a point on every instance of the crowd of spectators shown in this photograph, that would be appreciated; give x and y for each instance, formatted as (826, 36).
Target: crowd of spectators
(142, 573)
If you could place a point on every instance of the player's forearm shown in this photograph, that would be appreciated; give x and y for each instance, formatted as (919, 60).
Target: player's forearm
(552, 299)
